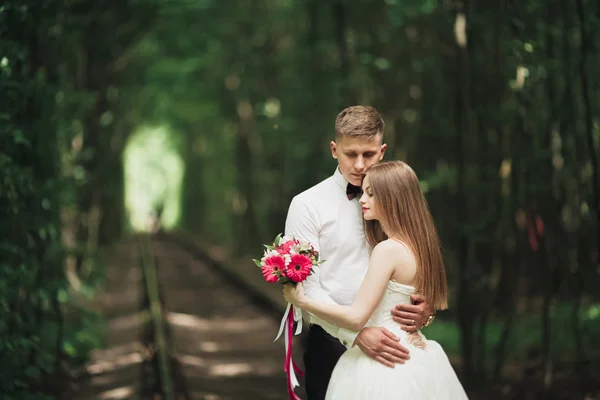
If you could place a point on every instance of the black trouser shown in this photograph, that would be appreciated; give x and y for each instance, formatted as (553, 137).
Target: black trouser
(321, 353)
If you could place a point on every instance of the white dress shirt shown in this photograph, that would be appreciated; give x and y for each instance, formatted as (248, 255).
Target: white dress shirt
(325, 217)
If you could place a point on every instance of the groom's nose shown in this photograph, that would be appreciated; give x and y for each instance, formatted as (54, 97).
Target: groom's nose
(359, 165)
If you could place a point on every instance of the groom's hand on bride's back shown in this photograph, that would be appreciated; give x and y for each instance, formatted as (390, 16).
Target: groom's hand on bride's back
(382, 345)
(412, 317)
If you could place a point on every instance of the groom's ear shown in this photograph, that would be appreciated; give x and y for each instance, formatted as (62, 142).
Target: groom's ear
(333, 147)
(383, 149)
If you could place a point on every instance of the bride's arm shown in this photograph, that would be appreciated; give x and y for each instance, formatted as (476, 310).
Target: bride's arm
(381, 267)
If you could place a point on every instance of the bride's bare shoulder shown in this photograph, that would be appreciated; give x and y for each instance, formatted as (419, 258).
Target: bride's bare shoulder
(396, 250)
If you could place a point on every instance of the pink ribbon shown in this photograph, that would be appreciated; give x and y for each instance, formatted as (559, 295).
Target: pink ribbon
(289, 366)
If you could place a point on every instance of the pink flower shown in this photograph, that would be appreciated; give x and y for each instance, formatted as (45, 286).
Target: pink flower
(272, 268)
(298, 268)
(285, 247)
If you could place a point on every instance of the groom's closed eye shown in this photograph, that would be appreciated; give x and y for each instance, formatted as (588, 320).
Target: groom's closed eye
(366, 155)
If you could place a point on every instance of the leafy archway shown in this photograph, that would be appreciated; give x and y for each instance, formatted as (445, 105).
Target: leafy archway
(153, 171)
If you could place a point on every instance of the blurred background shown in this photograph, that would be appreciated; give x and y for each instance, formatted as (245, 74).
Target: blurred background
(204, 118)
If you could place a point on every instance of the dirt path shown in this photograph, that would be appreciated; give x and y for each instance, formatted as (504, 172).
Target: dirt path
(221, 342)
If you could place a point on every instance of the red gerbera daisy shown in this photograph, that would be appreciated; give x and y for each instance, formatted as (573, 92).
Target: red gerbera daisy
(298, 268)
(272, 268)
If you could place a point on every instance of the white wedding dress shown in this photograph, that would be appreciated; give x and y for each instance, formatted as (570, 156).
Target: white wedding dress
(427, 375)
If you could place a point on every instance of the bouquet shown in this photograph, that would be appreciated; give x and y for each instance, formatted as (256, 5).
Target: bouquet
(289, 260)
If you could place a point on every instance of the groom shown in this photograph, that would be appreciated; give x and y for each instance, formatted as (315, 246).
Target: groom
(329, 216)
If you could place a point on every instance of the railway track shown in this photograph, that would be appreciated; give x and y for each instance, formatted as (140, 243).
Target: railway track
(180, 328)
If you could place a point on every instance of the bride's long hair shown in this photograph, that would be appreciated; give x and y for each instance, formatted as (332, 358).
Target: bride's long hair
(405, 216)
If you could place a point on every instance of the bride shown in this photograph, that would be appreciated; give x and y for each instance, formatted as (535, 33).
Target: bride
(406, 257)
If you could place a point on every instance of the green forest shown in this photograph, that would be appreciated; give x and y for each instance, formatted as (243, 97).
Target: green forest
(211, 115)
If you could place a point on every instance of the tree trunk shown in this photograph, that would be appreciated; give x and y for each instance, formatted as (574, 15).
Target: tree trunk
(347, 95)
(247, 229)
(193, 199)
(463, 130)
(588, 117)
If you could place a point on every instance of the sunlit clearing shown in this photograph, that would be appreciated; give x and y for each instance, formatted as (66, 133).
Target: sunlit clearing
(153, 178)
(216, 324)
(120, 393)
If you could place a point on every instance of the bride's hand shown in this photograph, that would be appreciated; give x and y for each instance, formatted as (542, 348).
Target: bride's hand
(294, 294)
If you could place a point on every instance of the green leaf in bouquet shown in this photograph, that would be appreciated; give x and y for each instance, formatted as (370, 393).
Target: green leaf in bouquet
(277, 239)
(284, 280)
(269, 247)
(257, 262)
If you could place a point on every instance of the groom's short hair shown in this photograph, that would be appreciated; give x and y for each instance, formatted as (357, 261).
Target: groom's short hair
(359, 121)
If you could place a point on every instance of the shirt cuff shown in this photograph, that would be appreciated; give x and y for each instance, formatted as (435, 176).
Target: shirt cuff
(327, 327)
(347, 337)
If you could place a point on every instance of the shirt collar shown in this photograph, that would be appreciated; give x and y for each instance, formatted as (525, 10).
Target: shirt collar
(339, 178)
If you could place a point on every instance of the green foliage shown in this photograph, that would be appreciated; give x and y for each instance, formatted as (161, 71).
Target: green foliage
(30, 266)
(524, 344)
(37, 322)
(490, 103)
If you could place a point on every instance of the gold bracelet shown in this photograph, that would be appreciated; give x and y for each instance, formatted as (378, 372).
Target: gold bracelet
(429, 320)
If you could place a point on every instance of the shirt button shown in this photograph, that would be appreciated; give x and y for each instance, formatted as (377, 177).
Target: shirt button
(345, 342)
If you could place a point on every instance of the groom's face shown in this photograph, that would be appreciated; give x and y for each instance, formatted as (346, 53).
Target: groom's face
(356, 154)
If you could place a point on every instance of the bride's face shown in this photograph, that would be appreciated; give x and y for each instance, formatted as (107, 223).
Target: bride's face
(367, 201)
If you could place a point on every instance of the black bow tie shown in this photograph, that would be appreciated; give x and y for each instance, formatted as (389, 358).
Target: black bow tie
(352, 191)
